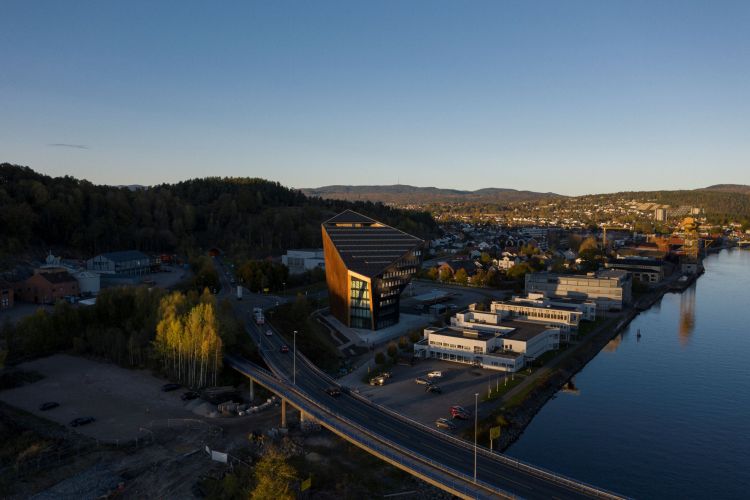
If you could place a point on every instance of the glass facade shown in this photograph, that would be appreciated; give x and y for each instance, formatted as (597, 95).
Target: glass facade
(359, 304)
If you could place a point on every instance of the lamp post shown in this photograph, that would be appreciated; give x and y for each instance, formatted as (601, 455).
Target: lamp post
(476, 404)
(294, 359)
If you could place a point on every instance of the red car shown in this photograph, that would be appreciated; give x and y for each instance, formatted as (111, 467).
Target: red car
(284, 349)
(459, 413)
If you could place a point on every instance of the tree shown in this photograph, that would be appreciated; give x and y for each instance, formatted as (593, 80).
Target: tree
(461, 277)
(379, 358)
(392, 350)
(445, 274)
(589, 243)
(485, 258)
(433, 273)
(518, 271)
(274, 478)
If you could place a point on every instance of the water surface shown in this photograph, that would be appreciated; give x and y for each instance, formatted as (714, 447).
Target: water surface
(666, 415)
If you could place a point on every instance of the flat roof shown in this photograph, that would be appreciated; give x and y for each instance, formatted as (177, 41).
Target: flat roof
(516, 330)
(523, 303)
(524, 330)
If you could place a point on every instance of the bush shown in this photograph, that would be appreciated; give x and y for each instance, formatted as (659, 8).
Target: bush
(392, 350)
(380, 358)
(403, 342)
(415, 336)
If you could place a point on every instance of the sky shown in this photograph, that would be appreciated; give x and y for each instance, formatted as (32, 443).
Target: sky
(572, 97)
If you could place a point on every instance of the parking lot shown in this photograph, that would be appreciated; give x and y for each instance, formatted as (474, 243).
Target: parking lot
(458, 383)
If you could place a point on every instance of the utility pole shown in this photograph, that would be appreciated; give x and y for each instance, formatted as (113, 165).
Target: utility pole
(294, 359)
(476, 405)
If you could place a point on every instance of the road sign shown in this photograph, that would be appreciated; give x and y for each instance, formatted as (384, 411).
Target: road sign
(494, 432)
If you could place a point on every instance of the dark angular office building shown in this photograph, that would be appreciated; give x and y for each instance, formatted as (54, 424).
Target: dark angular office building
(368, 265)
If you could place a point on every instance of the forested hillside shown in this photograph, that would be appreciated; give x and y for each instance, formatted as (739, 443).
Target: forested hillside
(243, 216)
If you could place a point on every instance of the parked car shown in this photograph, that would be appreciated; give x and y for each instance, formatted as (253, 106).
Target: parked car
(269, 333)
(189, 395)
(48, 405)
(333, 391)
(386, 374)
(421, 380)
(434, 389)
(435, 374)
(170, 387)
(284, 349)
(76, 422)
(444, 423)
(460, 413)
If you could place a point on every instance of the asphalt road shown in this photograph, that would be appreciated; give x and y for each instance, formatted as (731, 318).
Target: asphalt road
(425, 442)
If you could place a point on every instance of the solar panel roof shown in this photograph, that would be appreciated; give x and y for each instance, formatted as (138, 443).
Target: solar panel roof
(366, 246)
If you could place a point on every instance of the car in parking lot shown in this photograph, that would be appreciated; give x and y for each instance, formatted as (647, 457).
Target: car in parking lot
(458, 412)
(422, 381)
(434, 389)
(189, 396)
(269, 333)
(284, 349)
(333, 391)
(435, 374)
(170, 387)
(76, 422)
(48, 405)
(444, 423)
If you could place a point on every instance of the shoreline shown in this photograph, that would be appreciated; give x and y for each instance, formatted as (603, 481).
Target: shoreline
(548, 383)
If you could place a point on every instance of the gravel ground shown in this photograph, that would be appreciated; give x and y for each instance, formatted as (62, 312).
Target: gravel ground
(121, 400)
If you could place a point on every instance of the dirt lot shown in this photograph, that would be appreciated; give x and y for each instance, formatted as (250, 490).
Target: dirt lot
(459, 383)
(122, 401)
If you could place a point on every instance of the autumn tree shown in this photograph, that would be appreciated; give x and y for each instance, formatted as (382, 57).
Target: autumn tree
(274, 478)
(461, 277)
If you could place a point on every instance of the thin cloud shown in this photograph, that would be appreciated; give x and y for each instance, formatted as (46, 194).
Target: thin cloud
(63, 145)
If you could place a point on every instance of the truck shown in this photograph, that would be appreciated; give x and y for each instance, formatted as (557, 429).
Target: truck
(259, 317)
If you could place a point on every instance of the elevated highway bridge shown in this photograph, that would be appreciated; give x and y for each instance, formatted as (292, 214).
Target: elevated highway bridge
(432, 455)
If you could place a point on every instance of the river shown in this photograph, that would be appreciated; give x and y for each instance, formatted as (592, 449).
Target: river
(666, 415)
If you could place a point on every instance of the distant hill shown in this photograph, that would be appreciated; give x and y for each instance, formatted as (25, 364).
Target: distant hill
(728, 188)
(404, 194)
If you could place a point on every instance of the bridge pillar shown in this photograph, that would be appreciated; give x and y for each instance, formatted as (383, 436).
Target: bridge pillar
(283, 413)
(252, 390)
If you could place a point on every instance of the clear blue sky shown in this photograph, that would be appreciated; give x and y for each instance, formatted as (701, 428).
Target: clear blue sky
(564, 96)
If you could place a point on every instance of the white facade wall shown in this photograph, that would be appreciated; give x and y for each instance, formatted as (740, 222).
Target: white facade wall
(299, 261)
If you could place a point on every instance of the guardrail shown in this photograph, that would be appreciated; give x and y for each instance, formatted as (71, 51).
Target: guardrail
(540, 472)
(532, 469)
(379, 444)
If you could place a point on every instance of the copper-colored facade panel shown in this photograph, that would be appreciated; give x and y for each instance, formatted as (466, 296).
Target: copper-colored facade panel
(368, 265)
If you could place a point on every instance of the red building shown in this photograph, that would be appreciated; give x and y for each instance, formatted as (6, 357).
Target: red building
(47, 287)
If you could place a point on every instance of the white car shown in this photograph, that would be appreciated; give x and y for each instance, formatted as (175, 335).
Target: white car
(269, 333)
(435, 374)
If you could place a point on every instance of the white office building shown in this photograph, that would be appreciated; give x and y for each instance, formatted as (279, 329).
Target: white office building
(567, 318)
(494, 344)
(302, 260)
(611, 289)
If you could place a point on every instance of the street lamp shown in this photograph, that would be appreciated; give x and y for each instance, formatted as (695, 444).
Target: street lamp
(294, 359)
(476, 404)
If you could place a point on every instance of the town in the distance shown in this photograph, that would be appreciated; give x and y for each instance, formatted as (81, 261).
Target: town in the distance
(226, 337)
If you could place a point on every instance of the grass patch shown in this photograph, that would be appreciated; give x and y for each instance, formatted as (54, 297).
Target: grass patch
(313, 339)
